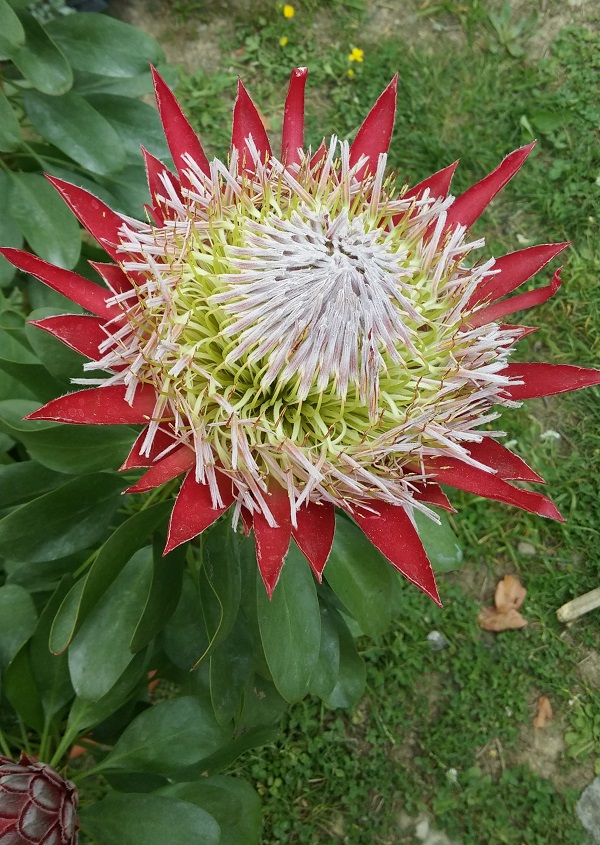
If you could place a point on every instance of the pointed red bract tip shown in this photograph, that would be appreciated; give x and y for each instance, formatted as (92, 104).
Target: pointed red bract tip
(100, 220)
(193, 512)
(432, 494)
(81, 333)
(114, 276)
(468, 207)
(180, 136)
(292, 136)
(272, 544)
(314, 534)
(175, 463)
(75, 287)
(248, 122)
(494, 313)
(508, 465)
(154, 170)
(547, 379)
(438, 184)
(375, 134)
(512, 270)
(393, 533)
(99, 406)
(161, 441)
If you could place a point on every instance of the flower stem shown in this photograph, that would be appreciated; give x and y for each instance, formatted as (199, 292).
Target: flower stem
(4, 746)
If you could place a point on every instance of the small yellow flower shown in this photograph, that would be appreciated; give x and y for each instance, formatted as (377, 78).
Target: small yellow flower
(356, 55)
(283, 41)
(351, 73)
(288, 11)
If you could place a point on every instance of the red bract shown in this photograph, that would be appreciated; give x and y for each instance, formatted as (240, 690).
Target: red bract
(37, 807)
(298, 334)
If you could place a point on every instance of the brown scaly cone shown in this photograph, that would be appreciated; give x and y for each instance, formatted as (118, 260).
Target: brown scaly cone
(37, 807)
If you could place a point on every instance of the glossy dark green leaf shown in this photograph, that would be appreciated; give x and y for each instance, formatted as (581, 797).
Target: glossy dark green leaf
(220, 581)
(20, 363)
(72, 125)
(129, 537)
(227, 754)
(10, 131)
(103, 45)
(352, 674)
(129, 187)
(51, 671)
(138, 819)
(360, 577)
(47, 224)
(231, 670)
(100, 653)
(290, 626)
(26, 480)
(21, 690)
(42, 576)
(231, 801)
(184, 638)
(63, 363)
(10, 26)
(40, 60)
(92, 186)
(168, 736)
(72, 449)
(440, 542)
(10, 232)
(326, 671)
(85, 714)
(18, 619)
(67, 519)
(163, 595)
(136, 123)
(124, 86)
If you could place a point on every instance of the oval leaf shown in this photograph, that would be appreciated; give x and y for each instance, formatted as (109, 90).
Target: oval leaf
(135, 122)
(10, 26)
(10, 131)
(40, 60)
(290, 626)
(48, 226)
(10, 231)
(361, 578)
(440, 542)
(134, 819)
(18, 619)
(104, 46)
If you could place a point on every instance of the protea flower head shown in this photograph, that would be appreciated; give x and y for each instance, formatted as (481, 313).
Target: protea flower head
(302, 333)
(37, 807)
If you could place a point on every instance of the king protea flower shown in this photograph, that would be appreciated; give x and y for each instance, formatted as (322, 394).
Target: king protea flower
(299, 333)
(37, 807)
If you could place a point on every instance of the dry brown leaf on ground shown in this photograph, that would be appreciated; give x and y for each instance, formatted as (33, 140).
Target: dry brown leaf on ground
(505, 616)
(544, 712)
(510, 593)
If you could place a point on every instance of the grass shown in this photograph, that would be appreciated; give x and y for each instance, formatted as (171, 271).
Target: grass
(448, 731)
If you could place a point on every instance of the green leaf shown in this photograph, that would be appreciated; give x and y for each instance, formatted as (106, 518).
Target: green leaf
(26, 480)
(67, 519)
(47, 224)
(10, 232)
(169, 735)
(128, 538)
(17, 361)
(135, 122)
(231, 801)
(60, 361)
(85, 714)
(231, 670)
(352, 675)
(103, 45)
(361, 578)
(440, 542)
(326, 671)
(10, 131)
(220, 581)
(51, 671)
(227, 754)
(21, 690)
(129, 187)
(40, 61)
(163, 595)
(65, 448)
(138, 819)
(290, 626)
(18, 619)
(184, 638)
(72, 125)
(100, 653)
(10, 26)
